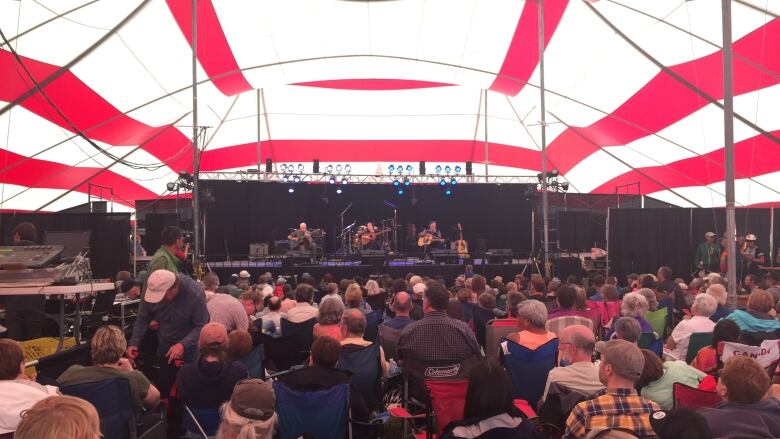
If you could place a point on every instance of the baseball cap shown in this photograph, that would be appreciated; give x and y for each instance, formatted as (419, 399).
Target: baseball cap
(709, 234)
(625, 358)
(253, 399)
(243, 274)
(280, 280)
(750, 237)
(212, 333)
(678, 423)
(159, 282)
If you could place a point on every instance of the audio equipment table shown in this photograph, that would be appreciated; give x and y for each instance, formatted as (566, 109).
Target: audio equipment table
(29, 256)
(64, 291)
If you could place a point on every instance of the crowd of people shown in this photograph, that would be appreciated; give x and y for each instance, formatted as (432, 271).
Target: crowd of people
(612, 373)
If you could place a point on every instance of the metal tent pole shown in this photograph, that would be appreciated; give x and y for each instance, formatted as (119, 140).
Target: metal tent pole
(195, 142)
(728, 134)
(543, 124)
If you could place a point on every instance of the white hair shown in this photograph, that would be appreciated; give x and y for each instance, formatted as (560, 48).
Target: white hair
(372, 287)
(235, 426)
(534, 311)
(414, 280)
(634, 305)
(718, 291)
(705, 304)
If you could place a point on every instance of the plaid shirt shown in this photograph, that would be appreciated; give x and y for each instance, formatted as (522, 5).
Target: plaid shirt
(437, 337)
(615, 408)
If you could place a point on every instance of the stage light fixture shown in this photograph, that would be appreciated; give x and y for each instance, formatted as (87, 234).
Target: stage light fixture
(338, 169)
(347, 169)
(296, 179)
(448, 192)
(285, 178)
(344, 180)
(401, 191)
(171, 187)
(442, 182)
(400, 169)
(438, 169)
(329, 169)
(454, 181)
(396, 183)
(300, 167)
(565, 186)
(290, 189)
(390, 169)
(407, 182)
(332, 179)
(457, 169)
(339, 190)
(409, 169)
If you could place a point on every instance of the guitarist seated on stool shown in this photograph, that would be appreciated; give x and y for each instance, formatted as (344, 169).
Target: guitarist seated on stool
(430, 238)
(371, 239)
(300, 239)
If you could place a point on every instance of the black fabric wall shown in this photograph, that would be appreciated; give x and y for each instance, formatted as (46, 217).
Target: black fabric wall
(641, 240)
(108, 241)
(249, 212)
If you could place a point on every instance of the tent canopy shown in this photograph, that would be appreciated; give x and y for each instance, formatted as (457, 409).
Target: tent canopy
(96, 95)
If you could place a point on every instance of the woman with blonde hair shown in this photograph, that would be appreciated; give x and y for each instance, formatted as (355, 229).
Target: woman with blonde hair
(372, 287)
(353, 298)
(59, 417)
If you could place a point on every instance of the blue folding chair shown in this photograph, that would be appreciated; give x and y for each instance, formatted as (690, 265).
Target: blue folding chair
(323, 413)
(364, 363)
(528, 369)
(201, 422)
(373, 320)
(254, 362)
(650, 341)
(113, 401)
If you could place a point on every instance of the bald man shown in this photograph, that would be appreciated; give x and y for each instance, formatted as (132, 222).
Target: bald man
(300, 238)
(402, 306)
(575, 350)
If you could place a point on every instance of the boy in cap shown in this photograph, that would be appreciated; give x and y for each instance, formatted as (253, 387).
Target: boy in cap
(619, 405)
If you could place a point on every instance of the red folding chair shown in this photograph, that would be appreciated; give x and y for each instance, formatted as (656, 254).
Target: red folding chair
(693, 398)
(446, 400)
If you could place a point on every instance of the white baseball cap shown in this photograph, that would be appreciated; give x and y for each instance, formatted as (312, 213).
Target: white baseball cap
(244, 274)
(159, 282)
(709, 234)
(750, 237)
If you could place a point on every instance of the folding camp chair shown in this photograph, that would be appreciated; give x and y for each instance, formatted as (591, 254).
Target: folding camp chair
(658, 320)
(692, 398)
(651, 341)
(388, 339)
(481, 318)
(528, 369)
(364, 363)
(697, 341)
(323, 413)
(494, 332)
(254, 362)
(201, 422)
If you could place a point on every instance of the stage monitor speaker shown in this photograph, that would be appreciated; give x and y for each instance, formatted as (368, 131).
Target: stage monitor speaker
(422, 168)
(565, 267)
(445, 256)
(499, 255)
(258, 251)
(268, 167)
(372, 257)
(468, 168)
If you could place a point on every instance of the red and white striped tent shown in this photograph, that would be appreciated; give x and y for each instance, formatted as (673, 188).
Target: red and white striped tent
(99, 92)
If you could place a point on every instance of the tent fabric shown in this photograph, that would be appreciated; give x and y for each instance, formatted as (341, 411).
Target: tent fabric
(633, 100)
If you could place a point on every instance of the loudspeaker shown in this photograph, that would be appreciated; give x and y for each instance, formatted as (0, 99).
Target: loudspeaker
(422, 168)
(566, 267)
(267, 165)
(316, 166)
(468, 168)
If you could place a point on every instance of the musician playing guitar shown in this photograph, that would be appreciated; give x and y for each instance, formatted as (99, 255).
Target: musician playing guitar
(371, 239)
(430, 238)
(300, 239)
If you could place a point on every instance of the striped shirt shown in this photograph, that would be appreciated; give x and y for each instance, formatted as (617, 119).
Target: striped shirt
(613, 408)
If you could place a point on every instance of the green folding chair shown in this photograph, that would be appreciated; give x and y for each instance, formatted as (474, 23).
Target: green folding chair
(698, 340)
(657, 320)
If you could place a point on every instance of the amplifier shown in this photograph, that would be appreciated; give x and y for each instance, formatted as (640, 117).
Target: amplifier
(258, 251)
(29, 256)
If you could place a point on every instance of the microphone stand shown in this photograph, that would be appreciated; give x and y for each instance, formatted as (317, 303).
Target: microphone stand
(345, 243)
(395, 225)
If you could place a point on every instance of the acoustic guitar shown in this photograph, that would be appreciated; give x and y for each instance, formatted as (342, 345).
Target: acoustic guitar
(427, 239)
(461, 245)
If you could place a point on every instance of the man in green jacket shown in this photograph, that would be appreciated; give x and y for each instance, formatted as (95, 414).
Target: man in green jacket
(172, 240)
(707, 255)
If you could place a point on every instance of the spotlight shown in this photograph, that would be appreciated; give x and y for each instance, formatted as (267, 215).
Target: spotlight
(409, 168)
(283, 167)
(401, 191)
(447, 169)
(454, 181)
(338, 169)
(457, 169)
(565, 186)
(300, 167)
(438, 169)
(329, 169)
(396, 183)
(400, 168)
(540, 177)
(442, 182)
(554, 172)
(347, 169)
(285, 178)
(344, 180)
(448, 192)
(296, 179)
(290, 189)
(390, 169)
(332, 179)
(171, 187)
(339, 190)
(407, 182)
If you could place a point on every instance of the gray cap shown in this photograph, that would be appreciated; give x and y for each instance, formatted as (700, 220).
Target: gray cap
(625, 358)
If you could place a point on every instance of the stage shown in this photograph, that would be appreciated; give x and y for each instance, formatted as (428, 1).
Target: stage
(348, 271)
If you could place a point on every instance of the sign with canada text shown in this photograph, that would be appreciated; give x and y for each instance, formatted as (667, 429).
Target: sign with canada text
(766, 354)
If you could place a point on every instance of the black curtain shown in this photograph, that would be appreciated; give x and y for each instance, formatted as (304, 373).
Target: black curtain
(108, 241)
(254, 212)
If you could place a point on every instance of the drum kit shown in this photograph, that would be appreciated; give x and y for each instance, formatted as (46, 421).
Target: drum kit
(355, 238)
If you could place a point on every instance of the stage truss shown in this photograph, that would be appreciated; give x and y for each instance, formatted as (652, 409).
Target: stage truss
(279, 177)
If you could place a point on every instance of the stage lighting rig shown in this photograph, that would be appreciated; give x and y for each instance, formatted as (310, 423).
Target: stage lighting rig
(550, 180)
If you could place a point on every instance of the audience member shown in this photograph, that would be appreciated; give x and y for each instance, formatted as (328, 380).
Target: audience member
(353, 298)
(331, 293)
(372, 288)
(609, 292)
(321, 374)
(634, 305)
(680, 423)
(756, 318)
(531, 319)
(772, 284)
(466, 298)
(59, 417)
(628, 329)
(272, 318)
(575, 351)
(489, 411)
(252, 302)
(669, 289)
(328, 319)
(707, 358)
(619, 405)
(703, 307)
(209, 382)
(17, 391)
(455, 310)
(228, 310)
(303, 310)
(566, 299)
(239, 345)
(652, 299)
(353, 326)
(658, 378)
(537, 289)
(401, 307)
(718, 291)
(108, 347)
(513, 300)
(130, 288)
(178, 304)
(250, 412)
(210, 284)
(743, 411)
(288, 299)
(436, 337)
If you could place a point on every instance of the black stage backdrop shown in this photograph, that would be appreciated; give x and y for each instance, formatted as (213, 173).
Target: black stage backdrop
(109, 252)
(641, 240)
(255, 212)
